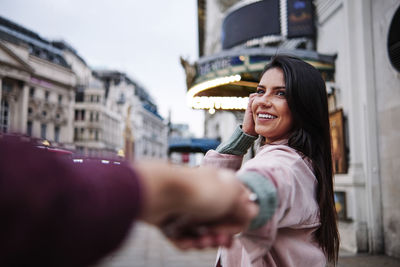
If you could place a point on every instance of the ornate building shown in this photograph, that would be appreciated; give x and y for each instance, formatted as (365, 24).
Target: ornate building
(355, 46)
(37, 88)
(364, 34)
(49, 92)
(148, 128)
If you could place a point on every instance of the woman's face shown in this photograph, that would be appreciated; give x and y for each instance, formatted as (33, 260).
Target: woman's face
(271, 112)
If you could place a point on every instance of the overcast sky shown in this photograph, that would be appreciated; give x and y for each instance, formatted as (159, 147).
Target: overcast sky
(143, 38)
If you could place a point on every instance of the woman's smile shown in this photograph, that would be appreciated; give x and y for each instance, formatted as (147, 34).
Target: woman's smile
(266, 116)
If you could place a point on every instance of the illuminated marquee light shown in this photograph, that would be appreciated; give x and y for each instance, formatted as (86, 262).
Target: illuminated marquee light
(210, 84)
(212, 102)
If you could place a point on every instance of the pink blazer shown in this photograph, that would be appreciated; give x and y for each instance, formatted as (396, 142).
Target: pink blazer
(287, 239)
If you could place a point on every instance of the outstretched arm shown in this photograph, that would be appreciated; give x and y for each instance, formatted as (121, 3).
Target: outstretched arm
(57, 212)
(195, 204)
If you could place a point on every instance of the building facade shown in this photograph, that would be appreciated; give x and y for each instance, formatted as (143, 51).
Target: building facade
(355, 46)
(367, 89)
(137, 110)
(50, 93)
(37, 88)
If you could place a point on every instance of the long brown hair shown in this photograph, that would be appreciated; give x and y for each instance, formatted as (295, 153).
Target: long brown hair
(308, 103)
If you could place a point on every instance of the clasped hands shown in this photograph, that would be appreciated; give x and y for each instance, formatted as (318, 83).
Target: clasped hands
(195, 207)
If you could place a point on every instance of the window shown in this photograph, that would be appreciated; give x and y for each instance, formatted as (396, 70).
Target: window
(4, 116)
(79, 114)
(32, 92)
(57, 134)
(76, 133)
(46, 95)
(30, 111)
(43, 128)
(60, 97)
(7, 86)
(79, 96)
(97, 116)
(121, 99)
(91, 134)
(29, 127)
(96, 135)
(91, 116)
(92, 98)
(44, 113)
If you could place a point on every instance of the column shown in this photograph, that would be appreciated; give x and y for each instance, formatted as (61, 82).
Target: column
(23, 119)
(1, 86)
(363, 135)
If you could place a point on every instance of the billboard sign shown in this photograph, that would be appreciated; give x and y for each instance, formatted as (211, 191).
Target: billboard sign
(251, 21)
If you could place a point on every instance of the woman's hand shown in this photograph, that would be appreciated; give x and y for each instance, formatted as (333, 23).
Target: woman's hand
(195, 207)
(193, 231)
(248, 121)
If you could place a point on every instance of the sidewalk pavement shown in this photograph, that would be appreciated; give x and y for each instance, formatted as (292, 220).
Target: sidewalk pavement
(348, 259)
(146, 247)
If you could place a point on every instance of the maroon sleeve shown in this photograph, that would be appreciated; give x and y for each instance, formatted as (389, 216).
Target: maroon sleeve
(54, 212)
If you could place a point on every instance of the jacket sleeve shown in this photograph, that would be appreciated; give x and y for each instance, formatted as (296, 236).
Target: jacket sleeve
(230, 153)
(59, 213)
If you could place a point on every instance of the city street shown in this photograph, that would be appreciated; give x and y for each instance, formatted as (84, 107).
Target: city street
(299, 97)
(146, 247)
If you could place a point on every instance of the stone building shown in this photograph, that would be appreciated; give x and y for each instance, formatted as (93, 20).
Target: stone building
(37, 88)
(132, 101)
(355, 45)
(49, 92)
(365, 37)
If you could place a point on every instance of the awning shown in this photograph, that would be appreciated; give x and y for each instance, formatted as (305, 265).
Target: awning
(191, 145)
(224, 80)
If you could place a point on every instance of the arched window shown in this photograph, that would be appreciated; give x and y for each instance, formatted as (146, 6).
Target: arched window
(394, 41)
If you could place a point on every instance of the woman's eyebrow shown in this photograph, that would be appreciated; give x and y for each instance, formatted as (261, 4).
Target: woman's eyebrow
(273, 88)
(278, 87)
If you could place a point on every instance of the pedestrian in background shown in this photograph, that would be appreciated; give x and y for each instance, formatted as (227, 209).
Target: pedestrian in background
(291, 173)
(56, 212)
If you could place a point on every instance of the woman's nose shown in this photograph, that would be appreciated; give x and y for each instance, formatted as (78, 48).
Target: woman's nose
(264, 100)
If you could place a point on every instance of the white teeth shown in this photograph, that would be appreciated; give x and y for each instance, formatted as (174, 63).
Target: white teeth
(266, 116)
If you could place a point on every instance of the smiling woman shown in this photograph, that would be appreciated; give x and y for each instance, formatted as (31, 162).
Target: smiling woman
(291, 173)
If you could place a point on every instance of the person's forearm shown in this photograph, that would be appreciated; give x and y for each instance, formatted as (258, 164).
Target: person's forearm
(164, 188)
(203, 206)
(170, 189)
(59, 212)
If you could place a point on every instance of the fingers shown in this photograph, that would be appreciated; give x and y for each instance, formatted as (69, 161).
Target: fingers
(251, 100)
(188, 207)
(246, 208)
(189, 234)
(205, 241)
(248, 121)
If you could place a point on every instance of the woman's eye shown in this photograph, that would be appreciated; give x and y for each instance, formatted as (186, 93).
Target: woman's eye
(281, 93)
(260, 91)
